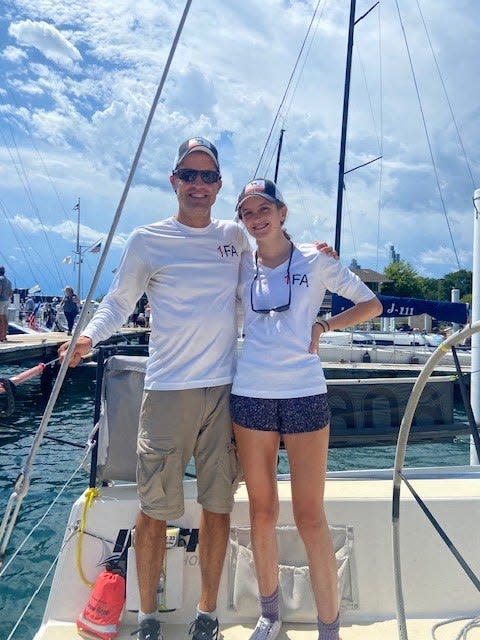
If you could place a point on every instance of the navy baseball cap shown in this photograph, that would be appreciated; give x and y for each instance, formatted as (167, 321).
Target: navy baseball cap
(260, 187)
(196, 144)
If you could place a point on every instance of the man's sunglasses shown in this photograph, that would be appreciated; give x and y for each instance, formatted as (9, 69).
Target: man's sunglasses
(190, 175)
(283, 307)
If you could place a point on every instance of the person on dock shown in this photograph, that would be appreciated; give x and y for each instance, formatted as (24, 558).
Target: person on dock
(285, 398)
(188, 266)
(70, 306)
(147, 312)
(6, 291)
(48, 315)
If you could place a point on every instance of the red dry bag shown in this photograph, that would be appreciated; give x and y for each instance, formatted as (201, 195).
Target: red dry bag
(101, 615)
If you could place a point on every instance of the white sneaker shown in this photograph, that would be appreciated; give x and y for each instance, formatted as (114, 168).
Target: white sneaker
(266, 630)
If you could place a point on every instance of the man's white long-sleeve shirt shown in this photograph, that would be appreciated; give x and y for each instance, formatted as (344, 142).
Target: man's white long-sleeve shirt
(190, 276)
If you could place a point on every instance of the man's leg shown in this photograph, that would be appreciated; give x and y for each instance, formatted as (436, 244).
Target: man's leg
(213, 538)
(150, 541)
(217, 471)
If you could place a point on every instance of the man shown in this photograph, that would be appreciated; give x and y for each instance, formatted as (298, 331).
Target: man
(5, 295)
(188, 266)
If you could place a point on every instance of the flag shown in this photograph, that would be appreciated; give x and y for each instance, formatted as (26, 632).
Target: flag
(96, 247)
(76, 207)
(67, 260)
(35, 289)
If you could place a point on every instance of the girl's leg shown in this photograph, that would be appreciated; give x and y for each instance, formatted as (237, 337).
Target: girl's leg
(307, 455)
(258, 452)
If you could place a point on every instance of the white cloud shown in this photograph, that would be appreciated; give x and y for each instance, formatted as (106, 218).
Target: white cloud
(14, 54)
(46, 39)
(73, 127)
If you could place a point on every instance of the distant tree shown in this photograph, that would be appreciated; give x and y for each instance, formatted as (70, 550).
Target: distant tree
(432, 289)
(461, 280)
(405, 281)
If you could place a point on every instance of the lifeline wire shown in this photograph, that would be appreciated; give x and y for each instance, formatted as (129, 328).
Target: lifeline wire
(23, 481)
(50, 507)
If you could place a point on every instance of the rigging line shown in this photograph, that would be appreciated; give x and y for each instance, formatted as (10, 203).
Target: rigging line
(460, 140)
(290, 80)
(302, 200)
(27, 260)
(33, 597)
(285, 113)
(31, 249)
(378, 136)
(297, 82)
(379, 210)
(49, 508)
(349, 215)
(441, 532)
(51, 438)
(437, 179)
(305, 58)
(364, 164)
(26, 256)
(462, 635)
(29, 192)
(380, 178)
(20, 244)
(369, 96)
(25, 124)
(22, 484)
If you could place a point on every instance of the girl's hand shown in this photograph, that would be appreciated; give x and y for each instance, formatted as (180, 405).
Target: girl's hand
(317, 330)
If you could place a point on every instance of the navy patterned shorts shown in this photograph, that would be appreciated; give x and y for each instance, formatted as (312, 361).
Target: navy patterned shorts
(284, 415)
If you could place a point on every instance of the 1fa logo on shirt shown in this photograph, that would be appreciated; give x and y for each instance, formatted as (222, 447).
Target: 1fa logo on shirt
(299, 279)
(227, 250)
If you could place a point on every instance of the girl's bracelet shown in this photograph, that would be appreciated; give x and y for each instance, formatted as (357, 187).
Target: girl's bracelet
(323, 323)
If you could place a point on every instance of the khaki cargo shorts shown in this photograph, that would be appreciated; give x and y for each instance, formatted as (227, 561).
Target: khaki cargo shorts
(174, 426)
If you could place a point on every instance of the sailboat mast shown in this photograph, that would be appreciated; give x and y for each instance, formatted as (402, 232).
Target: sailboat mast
(343, 138)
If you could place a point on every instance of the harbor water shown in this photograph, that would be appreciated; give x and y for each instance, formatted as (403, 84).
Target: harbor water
(54, 472)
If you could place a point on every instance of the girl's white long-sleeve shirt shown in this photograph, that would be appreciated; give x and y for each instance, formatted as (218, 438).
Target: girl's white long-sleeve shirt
(274, 361)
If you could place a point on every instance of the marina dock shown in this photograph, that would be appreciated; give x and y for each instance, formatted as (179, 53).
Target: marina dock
(43, 347)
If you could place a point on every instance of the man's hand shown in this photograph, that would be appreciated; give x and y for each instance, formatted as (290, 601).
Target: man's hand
(325, 248)
(82, 347)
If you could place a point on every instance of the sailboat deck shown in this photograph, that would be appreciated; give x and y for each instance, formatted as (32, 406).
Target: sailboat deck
(384, 630)
(360, 500)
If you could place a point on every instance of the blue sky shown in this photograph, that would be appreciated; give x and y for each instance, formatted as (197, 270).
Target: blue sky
(78, 80)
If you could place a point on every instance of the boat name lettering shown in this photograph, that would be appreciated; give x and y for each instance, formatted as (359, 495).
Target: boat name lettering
(402, 311)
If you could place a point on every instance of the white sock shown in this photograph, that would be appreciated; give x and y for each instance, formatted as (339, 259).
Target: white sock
(209, 614)
(144, 616)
